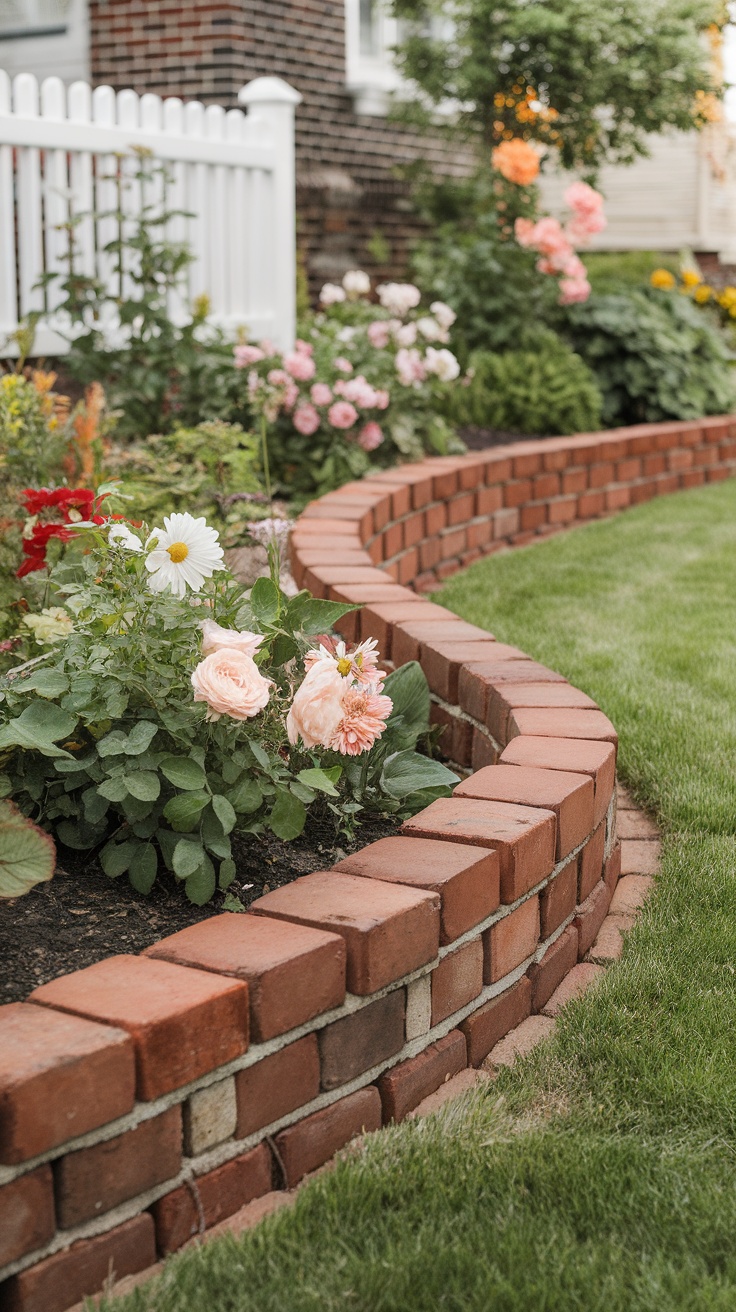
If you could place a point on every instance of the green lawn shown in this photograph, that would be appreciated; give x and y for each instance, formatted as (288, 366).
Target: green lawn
(600, 1175)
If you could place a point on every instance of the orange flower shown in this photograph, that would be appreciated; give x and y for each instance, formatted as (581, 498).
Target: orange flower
(516, 161)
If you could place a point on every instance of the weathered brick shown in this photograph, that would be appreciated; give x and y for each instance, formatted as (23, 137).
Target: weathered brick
(632, 891)
(489, 1023)
(364, 1039)
(63, 1280)
(521, 1041)
(378, 618)
(511, 940)
(466, 878)
(210, 1116)
(561, 722)
(26, 1214)
(389, 929)
(311, 1142)
(406, 1085)
(59, 1077)
(184, 1023)
(457, 980)
(590, 916)
(293, 972)
(277, 1085)
(578, 756)
(591, 862)
(443, 661)
(612, 868)
(524, 836)
(548, 973)
(210, 1198)
(575, 983)
(570, 796)
(558, 898)
(93, 1180)
(640, 857)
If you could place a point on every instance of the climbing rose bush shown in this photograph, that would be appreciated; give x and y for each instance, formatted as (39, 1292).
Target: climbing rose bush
(556, 244)
(167, 709)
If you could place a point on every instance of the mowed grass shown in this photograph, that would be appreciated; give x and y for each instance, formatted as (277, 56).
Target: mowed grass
(600, 1174)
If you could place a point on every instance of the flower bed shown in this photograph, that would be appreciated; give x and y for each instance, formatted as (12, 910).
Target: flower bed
(147, 1097)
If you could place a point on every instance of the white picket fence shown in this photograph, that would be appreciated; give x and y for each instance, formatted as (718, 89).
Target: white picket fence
(65, 152)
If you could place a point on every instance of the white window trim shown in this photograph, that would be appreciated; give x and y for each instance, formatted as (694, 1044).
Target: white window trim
(371, 79)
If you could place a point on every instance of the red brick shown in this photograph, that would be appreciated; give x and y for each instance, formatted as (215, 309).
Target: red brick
(590, 916)
(490, 1022)
(377, 620)
(59, 1077)
(511, 696)
(442, 661)
(293, 973)
(591, 504)
(488, 500)
(505, 523)
(406, 1085)
(445, 627)
(517, 493)
(545, 486)
(483, 751)
(320, 578)
(524, 836)
(184, 1022)
(591, 862)
(366, 1038)
(27, 1213)
(654, 464)
(533, 515)
(511, 940)
(429, 558)
(94, 1180)
(618, 498)
(554, 722)
(389, 930)
(601, 475)
(461, 508)
(480, 533)
(435, 519)
(457, 980)
(559, 898)
(563, 510)
(628, 470)
(408, 565)
(277, 1085)
(220, 1193)
(640, 857)
(574, 481)
(453, 542)
(570, 796)
(612, 869)
(467, 879)
(325, 555)
(476, 679)
(546, 975)
(579, 756)
(575, 983)
(414, 529)
(528, 462)
(311, 1142)
(63, 1280)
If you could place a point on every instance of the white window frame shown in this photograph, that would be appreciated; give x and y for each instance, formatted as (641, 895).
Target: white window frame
(35, 19)
(370, 78)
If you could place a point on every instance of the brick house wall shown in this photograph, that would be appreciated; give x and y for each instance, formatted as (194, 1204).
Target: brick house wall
(352, 208)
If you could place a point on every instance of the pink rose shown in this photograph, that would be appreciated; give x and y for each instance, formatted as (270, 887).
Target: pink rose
(583, 198)
(370, 436)
(306, 419)
(379, 333)
(343, 365)
(300, 366)
(321, 394)
(409, 367)
(231, 684)
(382, 400)
(305, 348)
(342, 414)
(359, 391)
(316, 709)
(214, 637)
(246, 354)
(574, 290)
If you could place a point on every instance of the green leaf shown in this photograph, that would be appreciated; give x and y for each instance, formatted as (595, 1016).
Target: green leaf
(261, 755)
(167, 841)
(284, 649)
(409, 691)
(47, 683)
(305, 795)
(407, 772)
(187, 857)
(183, 772)
(115, 858)
(140, 737)
(224, 812)
(144, 868)
(201, 885)
(310, 615)
(323, 780)
(288, 817)
(246, 796)
(227, 873)
(27, 853)
(264, 601)
(95, 805)
(115, 789)
(143, 784)
(113, 744)
(38, 728)
(184, 810)
(213, 836)
(6, 785)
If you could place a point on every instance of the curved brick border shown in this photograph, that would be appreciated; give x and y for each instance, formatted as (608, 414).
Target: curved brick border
(145, 1099)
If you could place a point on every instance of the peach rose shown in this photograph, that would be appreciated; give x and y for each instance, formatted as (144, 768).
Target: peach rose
(231, 684)
(316, 709)
(214, 637)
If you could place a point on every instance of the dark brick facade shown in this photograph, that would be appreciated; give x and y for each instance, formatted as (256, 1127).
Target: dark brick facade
(352, 208)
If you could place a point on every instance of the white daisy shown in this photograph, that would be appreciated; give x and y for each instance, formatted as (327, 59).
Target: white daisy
(121, 536)
(183, 554)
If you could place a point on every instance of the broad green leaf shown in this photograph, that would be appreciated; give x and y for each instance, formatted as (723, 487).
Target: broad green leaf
(213, 835)
(305, 795)
(80, 836)
(226, 874)
(167, 841)
(224, 812)
(284, 649)
(95, 805)
(113, 744)
(409, 691)
(140, 737)
(246, 796)
(184, 810)
(323, 780)
(144, 868)
(261, 755)
(264, 601)
(6, 785)
(115, 789)
(187, 857)
(288, 817)
(183, 772)
(115, 858)
(201, 885)
(310, 615)
(143, 784)
(38, 728)
(27, 853)
(408, 772)
(47, 683)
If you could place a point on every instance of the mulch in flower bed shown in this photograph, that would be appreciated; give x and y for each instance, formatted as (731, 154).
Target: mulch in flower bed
(477, 439)
(82, 916)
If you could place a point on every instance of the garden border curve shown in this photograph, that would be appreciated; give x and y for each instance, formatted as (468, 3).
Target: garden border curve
(145, 1099)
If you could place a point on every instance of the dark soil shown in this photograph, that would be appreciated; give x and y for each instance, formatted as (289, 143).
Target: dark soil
(82, 916)
(477, 439)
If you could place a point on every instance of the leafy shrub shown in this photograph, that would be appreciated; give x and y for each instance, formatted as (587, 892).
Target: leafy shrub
(27, 854)
(654, 355)
(542, 388)
(614, 271)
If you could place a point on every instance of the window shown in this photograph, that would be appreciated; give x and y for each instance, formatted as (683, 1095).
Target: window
(370, 35)
(23, 18)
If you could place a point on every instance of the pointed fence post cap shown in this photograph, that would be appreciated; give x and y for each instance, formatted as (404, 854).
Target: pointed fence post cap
(269, 90)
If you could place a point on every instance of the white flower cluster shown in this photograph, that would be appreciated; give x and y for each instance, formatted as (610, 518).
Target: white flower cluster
(181, 555)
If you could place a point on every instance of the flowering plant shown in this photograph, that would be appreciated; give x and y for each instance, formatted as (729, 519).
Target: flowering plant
(176, 709)
(362, 387)
(556, 245)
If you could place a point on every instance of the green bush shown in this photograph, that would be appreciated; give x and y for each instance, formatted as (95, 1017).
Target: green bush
(544, 388)
(655, 356)
(613, 271)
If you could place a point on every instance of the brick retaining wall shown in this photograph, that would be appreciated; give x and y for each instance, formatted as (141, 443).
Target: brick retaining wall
(144, 1099)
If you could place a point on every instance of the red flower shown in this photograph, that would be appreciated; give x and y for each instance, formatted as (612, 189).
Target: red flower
(34, 547)
(65, 499)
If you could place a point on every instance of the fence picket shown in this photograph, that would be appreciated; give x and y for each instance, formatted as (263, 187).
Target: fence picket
(8, 289)
(30, 230)
(56, 195)
(82, 185)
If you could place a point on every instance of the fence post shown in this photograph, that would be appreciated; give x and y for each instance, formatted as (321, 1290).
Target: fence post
(276, 102)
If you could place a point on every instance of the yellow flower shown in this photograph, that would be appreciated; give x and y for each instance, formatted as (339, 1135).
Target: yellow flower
(690, 278)
(703, 293)
(53, 624)
(663, 279)
(727, 298)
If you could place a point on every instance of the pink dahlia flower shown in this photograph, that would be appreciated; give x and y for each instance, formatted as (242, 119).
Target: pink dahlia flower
(364, 716)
